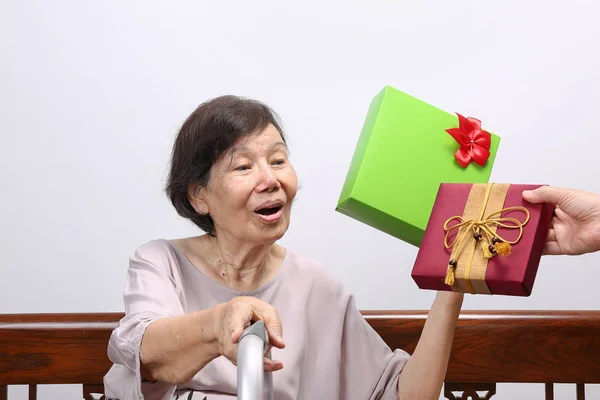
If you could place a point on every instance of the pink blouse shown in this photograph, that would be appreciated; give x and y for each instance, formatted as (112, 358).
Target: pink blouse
(331, 351)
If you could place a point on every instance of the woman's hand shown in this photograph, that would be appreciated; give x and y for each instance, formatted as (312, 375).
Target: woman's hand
(236, 315)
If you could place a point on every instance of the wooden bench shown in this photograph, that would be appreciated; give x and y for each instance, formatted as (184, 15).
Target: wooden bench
(490, 347)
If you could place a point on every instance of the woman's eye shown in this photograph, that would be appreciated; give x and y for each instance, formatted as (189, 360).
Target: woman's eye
(242, 168)
(279, 162)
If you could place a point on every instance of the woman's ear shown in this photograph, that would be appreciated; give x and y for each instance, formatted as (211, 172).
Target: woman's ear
(197, 197)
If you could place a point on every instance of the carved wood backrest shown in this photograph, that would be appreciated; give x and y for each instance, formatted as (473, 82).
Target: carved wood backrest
(489, 347)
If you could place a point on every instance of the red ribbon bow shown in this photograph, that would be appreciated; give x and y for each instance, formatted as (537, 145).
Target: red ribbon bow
(474, 142)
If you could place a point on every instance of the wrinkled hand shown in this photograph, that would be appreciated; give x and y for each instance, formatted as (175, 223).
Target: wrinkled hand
(575, 227)
(236, 315)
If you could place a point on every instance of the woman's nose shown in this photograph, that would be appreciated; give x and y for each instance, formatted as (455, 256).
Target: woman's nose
(267, 180)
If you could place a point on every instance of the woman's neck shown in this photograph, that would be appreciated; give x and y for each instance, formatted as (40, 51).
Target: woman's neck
(242, 266)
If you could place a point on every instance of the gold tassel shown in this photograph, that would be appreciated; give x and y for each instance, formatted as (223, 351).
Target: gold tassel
(486, 250)
(503, 248)
(449, 276)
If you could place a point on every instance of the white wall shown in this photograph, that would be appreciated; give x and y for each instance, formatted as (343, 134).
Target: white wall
(92, 94)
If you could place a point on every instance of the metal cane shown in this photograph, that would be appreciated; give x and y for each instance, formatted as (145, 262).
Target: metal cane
(253, 382)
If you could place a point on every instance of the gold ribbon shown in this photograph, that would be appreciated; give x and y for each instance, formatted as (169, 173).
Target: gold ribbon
(481, 230)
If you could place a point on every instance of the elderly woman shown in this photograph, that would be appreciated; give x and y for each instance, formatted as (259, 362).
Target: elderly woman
(188, 300)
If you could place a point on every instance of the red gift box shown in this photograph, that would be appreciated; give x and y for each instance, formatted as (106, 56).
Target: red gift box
(483, 239)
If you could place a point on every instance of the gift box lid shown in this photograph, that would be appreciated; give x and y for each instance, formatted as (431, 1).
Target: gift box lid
(403, 154)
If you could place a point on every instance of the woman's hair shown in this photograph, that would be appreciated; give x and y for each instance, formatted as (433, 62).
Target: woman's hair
(205, 136)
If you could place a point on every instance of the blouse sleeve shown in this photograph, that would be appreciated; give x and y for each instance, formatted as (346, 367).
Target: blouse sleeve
(150, 293)
(370, 369)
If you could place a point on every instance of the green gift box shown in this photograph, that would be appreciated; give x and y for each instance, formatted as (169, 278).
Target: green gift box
(406, 149)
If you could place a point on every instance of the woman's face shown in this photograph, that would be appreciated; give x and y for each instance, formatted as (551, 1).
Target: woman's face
(251, 188)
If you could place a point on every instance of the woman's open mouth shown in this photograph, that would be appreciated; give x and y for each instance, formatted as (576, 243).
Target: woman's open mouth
(269, 214)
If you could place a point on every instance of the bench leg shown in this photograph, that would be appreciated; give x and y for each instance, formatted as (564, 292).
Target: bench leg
(580, 391)
(32, 392)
